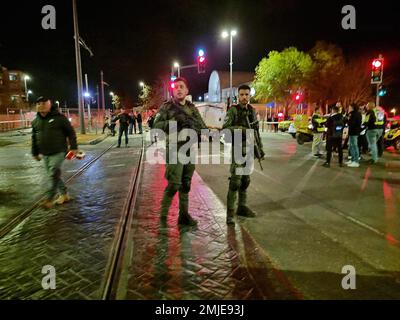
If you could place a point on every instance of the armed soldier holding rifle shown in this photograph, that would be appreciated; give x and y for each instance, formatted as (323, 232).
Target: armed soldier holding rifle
(179, 175)
(241, 116)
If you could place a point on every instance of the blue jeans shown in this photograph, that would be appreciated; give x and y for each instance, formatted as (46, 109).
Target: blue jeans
(372, 137)
(53, 164)
(353, 148)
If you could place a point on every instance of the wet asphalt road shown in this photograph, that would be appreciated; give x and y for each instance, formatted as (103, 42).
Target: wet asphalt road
(313, 221)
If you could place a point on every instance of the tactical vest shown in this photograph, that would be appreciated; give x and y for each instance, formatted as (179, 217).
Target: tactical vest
(242, 113)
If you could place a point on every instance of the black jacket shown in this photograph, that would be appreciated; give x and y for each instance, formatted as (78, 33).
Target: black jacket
(50, 134)
(124, 119)
(335, 125)
(354, 122)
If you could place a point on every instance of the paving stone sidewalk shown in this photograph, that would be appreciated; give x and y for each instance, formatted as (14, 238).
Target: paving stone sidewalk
(212, 261)
(75, 238)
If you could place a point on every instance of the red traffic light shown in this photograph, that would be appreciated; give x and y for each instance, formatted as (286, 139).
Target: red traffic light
(201, 64)
(172, 85)
(298, 97)
(377, 71)
(377, 63)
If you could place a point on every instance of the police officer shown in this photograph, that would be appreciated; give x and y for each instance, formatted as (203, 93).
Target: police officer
(318, 131)
(179, 175)
(375, 121)
(238, 117)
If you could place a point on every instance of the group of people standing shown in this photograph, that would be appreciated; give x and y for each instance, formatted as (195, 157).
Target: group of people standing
(365, 126)
(127, 124)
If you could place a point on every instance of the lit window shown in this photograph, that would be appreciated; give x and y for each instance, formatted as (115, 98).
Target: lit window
(13, 77)
(14, 98)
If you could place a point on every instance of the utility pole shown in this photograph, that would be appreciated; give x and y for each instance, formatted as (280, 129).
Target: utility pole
(102, 93)
(78, 70)
(98, 107)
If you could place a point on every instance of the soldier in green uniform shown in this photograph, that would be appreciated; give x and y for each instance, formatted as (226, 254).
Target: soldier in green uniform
(239, 117)
(179, 175)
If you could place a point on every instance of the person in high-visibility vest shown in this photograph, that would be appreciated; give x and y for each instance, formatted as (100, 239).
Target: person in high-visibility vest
(374, 120)
(382, 126)
(318, 122)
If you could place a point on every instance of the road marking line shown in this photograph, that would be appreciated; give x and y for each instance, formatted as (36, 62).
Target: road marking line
(116, 165)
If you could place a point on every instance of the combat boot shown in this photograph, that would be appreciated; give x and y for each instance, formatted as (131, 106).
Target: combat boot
(184, 216)
(229, 217)
(187, 220)
(165, 205)
(244, 211)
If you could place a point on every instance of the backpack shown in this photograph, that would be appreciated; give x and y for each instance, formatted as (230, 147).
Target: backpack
(338, 126)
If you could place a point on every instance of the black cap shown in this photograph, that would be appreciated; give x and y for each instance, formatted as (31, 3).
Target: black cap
(42, 99)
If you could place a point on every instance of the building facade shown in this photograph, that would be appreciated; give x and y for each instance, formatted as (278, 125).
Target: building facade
(219, 85)
(12, 90)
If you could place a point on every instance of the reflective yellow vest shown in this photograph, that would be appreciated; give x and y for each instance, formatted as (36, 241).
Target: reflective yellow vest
(379, 117)
(320, 120)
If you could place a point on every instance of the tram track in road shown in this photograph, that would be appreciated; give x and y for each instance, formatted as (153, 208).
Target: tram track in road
(27, 212)
(116, 256)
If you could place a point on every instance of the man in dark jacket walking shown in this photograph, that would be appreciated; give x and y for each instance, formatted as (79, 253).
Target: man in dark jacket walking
(354, 123)
(335, 125)
(51, 135)
(123, 119)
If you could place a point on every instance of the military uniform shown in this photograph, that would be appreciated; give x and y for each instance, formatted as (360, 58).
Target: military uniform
(179, 175)
(236, 118)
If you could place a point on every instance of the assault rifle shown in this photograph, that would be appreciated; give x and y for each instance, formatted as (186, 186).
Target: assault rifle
(258, 151)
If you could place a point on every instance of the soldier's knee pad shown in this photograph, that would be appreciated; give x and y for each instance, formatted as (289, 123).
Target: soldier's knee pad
(234, 183)
(172, 188)
(185, 187)
(245, 183)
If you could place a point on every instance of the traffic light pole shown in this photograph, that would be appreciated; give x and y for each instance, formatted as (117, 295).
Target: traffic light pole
(188, 66)
(78, 70)
(377, 95)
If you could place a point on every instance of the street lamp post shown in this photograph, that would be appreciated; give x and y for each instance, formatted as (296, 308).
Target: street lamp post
(112, 100)
(27, 95)
(177, 66)
(26, 78)
(225, 34)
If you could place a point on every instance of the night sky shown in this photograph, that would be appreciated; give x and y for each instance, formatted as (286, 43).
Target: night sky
(135, 41)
